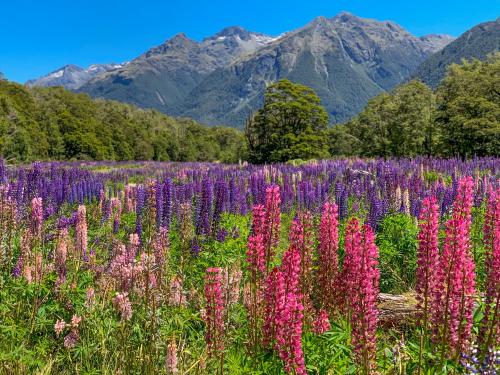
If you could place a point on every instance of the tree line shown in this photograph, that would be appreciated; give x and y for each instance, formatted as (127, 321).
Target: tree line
(56, 124)
(460, 118)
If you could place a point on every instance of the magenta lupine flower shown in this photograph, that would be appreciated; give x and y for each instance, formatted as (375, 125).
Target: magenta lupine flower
(272, 222)
(291, 265)
(123, 305)
(81, 231)
(321, 323)
(427, 275)
(60, 256)
(171, 358)
(274, 293)
(258, 219)
(328, 267)
(71, 339)
(452, 317)
(36, 217)
(214, 311)
(453, 308)
(256, 257)
(490, 326)
(362, 299)
(289, 334)
(349, 267)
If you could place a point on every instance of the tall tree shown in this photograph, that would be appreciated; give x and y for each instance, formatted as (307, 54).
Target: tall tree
(400, 123)
(469, 108)
(292, 124)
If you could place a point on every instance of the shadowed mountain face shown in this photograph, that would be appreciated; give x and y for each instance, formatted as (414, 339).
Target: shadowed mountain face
(478, 42)
(221, 80)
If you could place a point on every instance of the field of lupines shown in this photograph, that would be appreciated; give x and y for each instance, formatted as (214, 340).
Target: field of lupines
(188, 268)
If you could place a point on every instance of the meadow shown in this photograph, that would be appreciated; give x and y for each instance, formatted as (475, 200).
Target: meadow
(205, 268)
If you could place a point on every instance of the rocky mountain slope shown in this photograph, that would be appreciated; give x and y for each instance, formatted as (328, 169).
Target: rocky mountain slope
(477, 42)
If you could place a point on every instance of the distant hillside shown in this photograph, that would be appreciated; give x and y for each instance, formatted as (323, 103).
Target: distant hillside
(478, 42)
(56, 124)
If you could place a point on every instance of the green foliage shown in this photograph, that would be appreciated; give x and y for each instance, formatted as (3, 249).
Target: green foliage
(55, 124)
(397, 243)
(399, 123)
(461, 118)
(291, 125)
(469, 108)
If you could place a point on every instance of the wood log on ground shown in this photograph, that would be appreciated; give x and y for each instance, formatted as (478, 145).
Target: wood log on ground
(396, 311)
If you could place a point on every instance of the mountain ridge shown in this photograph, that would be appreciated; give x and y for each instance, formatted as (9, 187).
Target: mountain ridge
(221, 79)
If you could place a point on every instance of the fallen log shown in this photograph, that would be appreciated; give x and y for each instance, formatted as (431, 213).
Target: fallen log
(396, 311)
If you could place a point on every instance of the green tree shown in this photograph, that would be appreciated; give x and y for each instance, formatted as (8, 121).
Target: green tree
(469, 108)
(400, 123)
(292, 124)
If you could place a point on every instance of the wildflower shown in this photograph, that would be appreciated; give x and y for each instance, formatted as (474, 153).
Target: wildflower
(328, 258)
(427, 286)
(36, 217)
(59, 326)
(123, 305)
(272, 222)
(321, 323)
(81, 231)
(214, 311)
(171, 358)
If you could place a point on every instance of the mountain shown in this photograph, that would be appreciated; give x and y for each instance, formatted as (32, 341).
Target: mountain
(72, 77)
(221, 80)
(162, 77)
(346, 59)
(477, 42)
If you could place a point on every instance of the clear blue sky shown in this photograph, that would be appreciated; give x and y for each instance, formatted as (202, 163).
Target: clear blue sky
(38, 36)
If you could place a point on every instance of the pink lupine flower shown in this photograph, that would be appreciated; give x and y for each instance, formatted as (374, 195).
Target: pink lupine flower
(123, 305)
(59, 326)
(171, 358)
(81, 231)
(363, 293)
(90, 298)
(116, 213)
(60, 256)
(321, 323)
(427, 274)
(214, 311)
(160, 245)
(272, 222)
(328, 272)
(176, 296)
(36, 217)
(232, 281)
(75, 321)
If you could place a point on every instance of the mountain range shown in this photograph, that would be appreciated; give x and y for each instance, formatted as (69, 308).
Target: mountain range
(221, 80)
(72, 77)
(478, 42)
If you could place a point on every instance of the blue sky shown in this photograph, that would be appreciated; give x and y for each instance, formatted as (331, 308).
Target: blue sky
(37, 36)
